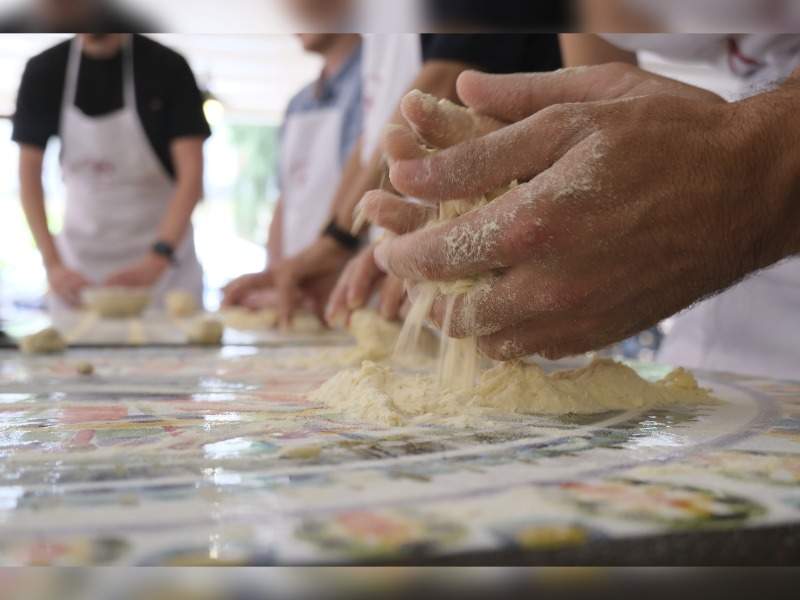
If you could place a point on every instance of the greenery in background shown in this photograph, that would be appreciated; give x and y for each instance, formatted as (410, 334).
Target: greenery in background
(254, 193)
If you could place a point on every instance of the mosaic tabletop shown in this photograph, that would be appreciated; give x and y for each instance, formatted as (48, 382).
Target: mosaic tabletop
(169, 456)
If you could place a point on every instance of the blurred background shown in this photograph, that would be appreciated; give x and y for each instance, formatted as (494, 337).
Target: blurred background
(248, 80)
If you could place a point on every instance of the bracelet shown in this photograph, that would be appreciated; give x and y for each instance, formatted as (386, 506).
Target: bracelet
(345, 239)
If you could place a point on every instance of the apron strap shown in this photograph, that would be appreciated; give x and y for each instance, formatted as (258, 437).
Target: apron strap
(74, 67)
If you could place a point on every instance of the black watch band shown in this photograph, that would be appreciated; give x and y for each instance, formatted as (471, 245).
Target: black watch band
(165, 250)
(345, 239)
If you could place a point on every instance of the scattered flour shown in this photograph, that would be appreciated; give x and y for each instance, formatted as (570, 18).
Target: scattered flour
(379, 395)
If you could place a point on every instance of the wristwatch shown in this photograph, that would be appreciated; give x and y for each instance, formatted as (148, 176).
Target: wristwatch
(344, 238)
(164, 250)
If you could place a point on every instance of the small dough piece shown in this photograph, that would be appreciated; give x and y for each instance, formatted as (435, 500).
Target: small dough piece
(305, 322)
(117, 302)
(47, 341)
(243, 319)
(301, 452)
(85, 368)
(206, 332)
(181, 304)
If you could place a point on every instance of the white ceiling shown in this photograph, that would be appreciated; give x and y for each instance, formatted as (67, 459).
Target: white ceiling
(253, 75)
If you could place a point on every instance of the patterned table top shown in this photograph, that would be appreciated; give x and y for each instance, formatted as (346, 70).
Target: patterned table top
(189, 456)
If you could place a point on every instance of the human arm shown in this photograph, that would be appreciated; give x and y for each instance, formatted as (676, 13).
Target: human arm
(65, 282)
(187, 157)
(639, 197)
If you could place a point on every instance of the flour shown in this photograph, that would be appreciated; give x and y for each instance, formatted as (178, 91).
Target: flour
(378, 395)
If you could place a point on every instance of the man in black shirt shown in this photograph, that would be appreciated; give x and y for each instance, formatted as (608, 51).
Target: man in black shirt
(129, 115)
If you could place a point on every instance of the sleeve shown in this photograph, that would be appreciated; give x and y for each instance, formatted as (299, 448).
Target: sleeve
(38, 106)
(495, 53)
(185, 117)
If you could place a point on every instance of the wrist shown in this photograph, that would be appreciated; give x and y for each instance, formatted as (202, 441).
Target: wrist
(774, 132)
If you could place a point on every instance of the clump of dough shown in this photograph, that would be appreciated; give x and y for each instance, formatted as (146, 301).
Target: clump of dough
(206, 332)
(243, 319)
(47, 341)
(305, 322)
(379, 395)
(85, 368)
(181, 304)
(116, 302)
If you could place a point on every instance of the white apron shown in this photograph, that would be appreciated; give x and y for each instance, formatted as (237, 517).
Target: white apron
(754, 327)
(391, 63)
(117, 191)
(310, 174)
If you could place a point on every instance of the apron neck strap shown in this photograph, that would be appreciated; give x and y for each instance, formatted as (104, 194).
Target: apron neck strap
(74, 67)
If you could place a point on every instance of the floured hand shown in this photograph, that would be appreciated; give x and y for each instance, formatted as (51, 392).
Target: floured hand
(626, 178)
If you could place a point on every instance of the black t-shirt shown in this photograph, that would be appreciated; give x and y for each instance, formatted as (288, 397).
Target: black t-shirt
(502, 15)
(168, 100)
(496, 52)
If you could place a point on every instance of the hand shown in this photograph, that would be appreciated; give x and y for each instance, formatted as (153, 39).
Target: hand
(357, 284)
(238, 290)
(309, 278)
(66, 283)
(143, 273)
(640, 196)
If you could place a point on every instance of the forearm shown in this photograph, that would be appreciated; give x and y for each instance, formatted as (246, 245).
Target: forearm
(33, 204)
(188, 158)
(772, 135)
(586, 49)
(275, 235)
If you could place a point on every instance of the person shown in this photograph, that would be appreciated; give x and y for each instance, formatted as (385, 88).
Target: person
(96, 16)
(129, 116)
(393, 64)
(639, 197)
(322, 124)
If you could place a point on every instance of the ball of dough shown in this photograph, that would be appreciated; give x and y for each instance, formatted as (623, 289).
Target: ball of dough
(181, 304)
(304, 322)
(47, 341)
(85, 368)
(244, 319)
(207, 332)
(116, 302)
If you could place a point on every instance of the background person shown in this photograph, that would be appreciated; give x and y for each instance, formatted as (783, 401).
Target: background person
(129, 116)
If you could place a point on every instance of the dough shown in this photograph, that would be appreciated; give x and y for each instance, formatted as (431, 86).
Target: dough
(306, 322)
(181, 304)
(379, 395)
(206, 332)
(116, 302)
(301, 452)
(244, 319)
(47, 341)
(85, 368)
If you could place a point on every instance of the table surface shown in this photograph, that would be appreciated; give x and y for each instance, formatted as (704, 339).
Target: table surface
(190, 456)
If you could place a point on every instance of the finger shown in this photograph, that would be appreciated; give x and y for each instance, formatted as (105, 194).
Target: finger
(512, 98)
(393, 293)
(400, 143)
(554, 340)
(288, 293)
(494, 236)
(362, 280)
(394, 213)
(441, 123)
(337, 304)
(518, 152)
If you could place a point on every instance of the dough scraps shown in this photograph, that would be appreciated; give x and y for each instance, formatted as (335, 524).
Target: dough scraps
(379, 395)
(181, 304)
(116, 302)
(206, 332)
(47, 341)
